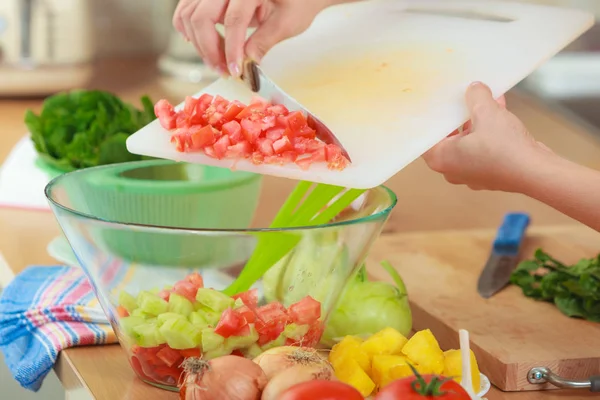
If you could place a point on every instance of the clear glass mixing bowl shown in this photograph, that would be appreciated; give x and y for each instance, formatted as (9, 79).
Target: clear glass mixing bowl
(160, 244)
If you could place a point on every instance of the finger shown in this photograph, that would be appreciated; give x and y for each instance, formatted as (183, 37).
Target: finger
(179, 13)
(502, 101)
(437, 157)
(480, 102)
(236, 21)
(275, 29)
(206, 38)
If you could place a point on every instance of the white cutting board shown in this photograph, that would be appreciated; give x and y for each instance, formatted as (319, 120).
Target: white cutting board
(388, 77)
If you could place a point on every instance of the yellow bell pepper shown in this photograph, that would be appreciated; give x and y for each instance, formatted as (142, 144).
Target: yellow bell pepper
(453, 368)
(386, 341)
(424, 350)
(352, 374)
(350, 348)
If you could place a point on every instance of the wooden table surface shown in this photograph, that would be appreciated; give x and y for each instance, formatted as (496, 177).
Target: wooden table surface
(426, 202)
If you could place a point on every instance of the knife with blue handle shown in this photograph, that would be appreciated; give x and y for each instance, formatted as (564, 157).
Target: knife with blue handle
(505, 254)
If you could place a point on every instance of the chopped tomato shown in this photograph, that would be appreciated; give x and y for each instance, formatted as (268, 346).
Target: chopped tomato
(186, 289)
(195, 279)
(253, 109)
(210, 151)
(272, 313)
(282, 145)
(122, 312)
(277, 110)
(288, 157)
(230, 323)
(195, 352)
(165, 114)
(251, 130)
(313, 336)
(239, 150)
(306, 311)
(169, 356)
(202, 137)
(136, 364)
(163, 372)
(257, 158)
(234, 130)
(265, 146)
(246, 313)
(233, 109)
(275, 133)
(249, 297)
(237, 353)
(268, 332)
(221, 146)
(164, 294)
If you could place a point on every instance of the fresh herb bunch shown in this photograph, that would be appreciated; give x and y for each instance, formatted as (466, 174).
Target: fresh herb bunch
(86, 128)
(575, 289)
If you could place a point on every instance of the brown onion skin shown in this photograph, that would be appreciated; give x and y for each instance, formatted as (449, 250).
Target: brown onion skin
(224, 378)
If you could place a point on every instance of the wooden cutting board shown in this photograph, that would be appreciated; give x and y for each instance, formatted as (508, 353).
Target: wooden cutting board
(510, 333)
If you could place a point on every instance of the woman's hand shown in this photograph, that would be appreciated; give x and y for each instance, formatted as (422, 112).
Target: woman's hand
(493, 149)
(275, 21)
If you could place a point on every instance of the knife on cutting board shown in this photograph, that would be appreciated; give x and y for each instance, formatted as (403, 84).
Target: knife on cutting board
(504, 256)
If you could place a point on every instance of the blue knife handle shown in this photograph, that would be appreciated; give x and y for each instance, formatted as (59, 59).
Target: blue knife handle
(511, 233)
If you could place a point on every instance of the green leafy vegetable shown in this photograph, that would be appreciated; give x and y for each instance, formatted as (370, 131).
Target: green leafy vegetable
(86, 128)
(302, 208)
(366, 307)
(575, 289)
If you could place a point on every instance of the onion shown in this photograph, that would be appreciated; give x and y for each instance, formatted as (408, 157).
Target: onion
(278, 359)
(223, 378)
(294, 375)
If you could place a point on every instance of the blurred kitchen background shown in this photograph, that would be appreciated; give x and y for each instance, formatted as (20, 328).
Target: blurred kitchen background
(47, 45)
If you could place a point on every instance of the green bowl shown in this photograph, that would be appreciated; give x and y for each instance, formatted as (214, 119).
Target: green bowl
(162, 192)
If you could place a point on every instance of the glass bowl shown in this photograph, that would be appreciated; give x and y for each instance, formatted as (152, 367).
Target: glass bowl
(167, 307)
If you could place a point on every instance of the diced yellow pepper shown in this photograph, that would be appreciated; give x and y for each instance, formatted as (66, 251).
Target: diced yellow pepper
(352, 374)
(386, 341)
(424, 350)
(350, 348)
(453, 368)
(382, 366)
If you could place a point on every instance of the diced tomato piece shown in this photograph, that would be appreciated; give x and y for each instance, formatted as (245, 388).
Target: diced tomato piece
(181, 139)
(334, 157)
(210, 151)
(186, 289)
(251, 130)
(221, 146)
(204, 101)
(268, 332)
(169, 356)
(267, 122)
(265, 146)
(318, 155)
(295, 121)
(237, 353)
(220, 104)
(165, 113)
(195, 352)
(246, 313)
(306, 311)
(239, 150)
(272, 313)
(249, 297)
(190, 104)
(202, 136)
(282, 145)
(288, 157)
(255, 108)
(313, 336)
(234, 130)
(277, 110)
(195, 279)
(182, 121)
(164, 294)
(164, 372)
(275, 133)
(233, 109)
(230, 323)
(122, 312)
(257, 158)
(136, 364)
(304, 163)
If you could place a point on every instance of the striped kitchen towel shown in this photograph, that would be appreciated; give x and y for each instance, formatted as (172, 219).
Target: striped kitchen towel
(43, 311)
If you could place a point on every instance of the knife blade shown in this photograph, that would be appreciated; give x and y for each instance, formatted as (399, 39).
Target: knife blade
(260, 83)
(504, 256)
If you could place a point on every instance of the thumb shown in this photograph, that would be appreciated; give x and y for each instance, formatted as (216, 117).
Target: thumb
(272, 31)
(480, 102)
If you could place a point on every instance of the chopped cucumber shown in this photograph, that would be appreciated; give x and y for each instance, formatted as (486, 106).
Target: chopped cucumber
(295, 332)
(139, 313)
(198, 319)
(239, 342)
(211, 317)
(180, 305)
(238, 303)
(154, 290)
(151, 303)
(147, 335)
(180, 334)
(211, 340)
(280, 341)
(218, 352)
(162, 318)
(252, 352)
(214, 300)
(128, 323)
(127, 301)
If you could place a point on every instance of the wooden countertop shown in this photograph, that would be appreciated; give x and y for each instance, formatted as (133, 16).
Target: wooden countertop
(425, 202)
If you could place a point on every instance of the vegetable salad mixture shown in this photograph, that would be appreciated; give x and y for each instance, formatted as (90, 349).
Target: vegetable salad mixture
(165, 327)
(261, 132)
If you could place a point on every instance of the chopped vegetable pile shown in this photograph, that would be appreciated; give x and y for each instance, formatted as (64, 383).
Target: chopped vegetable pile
(575, 289)
(165, 327)
(372, 364)
(86, 128)
(260, 132)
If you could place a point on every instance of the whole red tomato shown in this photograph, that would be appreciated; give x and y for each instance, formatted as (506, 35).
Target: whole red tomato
(420, 386)
(321, 390)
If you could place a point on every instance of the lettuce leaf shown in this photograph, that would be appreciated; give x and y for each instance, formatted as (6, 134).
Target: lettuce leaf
(86, 128)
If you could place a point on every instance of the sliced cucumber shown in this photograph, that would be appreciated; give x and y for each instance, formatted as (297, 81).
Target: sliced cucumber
(139, 313)
(128, 323)
(295, 332)
(252, 352)
(180, 305)
(211, 340)
(127, 301)
(151, 303)
(238, 303)
(147, 335)
(180, 334)
(218, 352)
(239, 342)
(162, 318)
(280, 341)
(214, 300)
